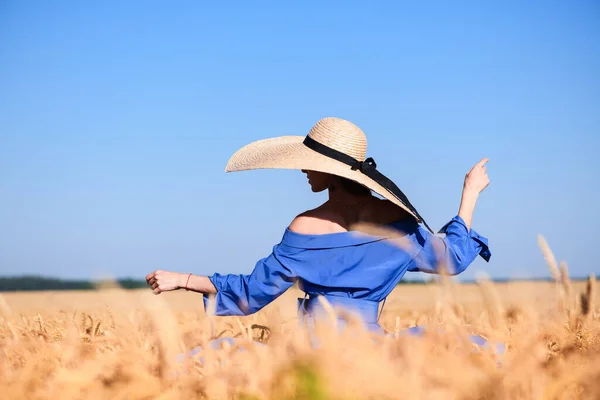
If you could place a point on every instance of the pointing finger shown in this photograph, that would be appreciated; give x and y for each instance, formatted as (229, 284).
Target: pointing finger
(482, 162)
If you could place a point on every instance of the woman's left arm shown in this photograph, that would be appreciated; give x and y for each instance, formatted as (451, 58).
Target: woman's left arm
(451, 254)
(460, 245)
(235, 294)
(164, 281)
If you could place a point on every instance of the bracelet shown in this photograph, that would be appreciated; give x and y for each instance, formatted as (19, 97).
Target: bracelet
(188, 280)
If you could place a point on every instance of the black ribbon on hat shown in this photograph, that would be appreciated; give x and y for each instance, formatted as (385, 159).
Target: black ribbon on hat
(367, 167)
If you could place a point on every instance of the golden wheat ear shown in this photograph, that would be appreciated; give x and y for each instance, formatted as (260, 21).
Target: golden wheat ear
(588, 297)
(549, 257)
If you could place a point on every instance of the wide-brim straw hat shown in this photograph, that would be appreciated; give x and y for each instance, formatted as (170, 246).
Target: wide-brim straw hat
(334, 146)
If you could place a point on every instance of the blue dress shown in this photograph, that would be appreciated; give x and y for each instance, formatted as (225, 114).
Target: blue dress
(353, 271)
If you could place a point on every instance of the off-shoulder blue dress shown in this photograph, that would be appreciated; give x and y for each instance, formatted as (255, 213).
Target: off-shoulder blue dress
(354, 271)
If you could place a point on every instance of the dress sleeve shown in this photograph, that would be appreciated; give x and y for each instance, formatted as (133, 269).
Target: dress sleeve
(247, 294)
(455, 248)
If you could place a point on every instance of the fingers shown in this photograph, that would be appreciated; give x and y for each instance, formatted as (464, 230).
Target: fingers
(151, 281)
(477, 168)
(150, 276)
(481, 164)
(161, 281)
(155, 286)
(476, 180)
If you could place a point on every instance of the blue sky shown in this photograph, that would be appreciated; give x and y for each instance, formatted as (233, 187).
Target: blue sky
(117, 120)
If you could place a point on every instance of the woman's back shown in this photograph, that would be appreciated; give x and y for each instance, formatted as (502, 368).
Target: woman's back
(330, 258)
(350, 264)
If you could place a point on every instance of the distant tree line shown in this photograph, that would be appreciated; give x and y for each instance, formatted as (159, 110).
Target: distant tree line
(36, 283)
(40, 283)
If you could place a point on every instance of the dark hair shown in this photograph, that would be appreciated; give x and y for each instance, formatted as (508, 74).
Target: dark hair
(353, 187)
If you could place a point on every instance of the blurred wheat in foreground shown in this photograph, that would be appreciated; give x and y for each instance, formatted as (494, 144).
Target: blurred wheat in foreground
(116, 344)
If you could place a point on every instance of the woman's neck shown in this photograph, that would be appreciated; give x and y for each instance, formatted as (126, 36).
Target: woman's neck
(340, 196)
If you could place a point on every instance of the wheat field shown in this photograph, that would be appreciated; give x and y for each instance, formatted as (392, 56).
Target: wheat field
(116, 344)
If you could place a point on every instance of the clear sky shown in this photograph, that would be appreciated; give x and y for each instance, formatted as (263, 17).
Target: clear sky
(117, 120)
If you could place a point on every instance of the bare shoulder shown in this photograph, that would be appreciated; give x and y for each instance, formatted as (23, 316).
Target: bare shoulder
(317, 222)
(325, 219)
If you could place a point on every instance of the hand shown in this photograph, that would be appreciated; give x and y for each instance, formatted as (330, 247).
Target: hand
(477, 179)
(164, 281)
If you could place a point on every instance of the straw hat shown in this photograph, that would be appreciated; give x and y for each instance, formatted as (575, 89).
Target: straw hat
(333, 146)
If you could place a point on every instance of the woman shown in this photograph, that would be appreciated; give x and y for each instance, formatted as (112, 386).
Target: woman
(327, 250)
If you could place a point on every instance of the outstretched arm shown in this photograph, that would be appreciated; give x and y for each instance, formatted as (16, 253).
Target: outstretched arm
(164, 281)
(475, 182)
(461, 245)
(235, 294)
